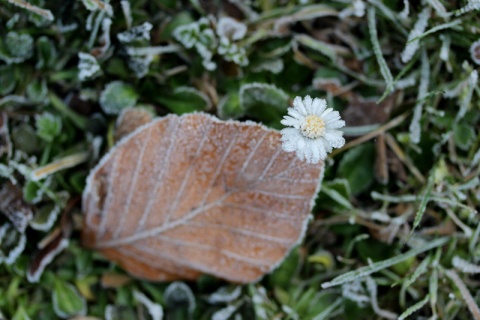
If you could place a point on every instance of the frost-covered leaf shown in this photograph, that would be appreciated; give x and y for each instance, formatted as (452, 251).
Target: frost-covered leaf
(179, 295)
(94, 5)
(45, 217)
(264, 101)
(113, 312)
(14, 207)
(185, 100)
(140, 65)
(46, 53)
(138, 33)
(229, 107)
(225, 294)
(7, 79)
(37, 91)
(117, 96)
(154, 309)
(225, 313)
(464, 135)
(48, 126)
(162, 199)
(88, 66)
(12, 243)
(230, 28)
(16, 47)
(67, 302)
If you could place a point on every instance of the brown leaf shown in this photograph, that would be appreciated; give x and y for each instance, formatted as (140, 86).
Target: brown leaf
(190, 195)
(14, 207)
(363, 111)
(129, 120)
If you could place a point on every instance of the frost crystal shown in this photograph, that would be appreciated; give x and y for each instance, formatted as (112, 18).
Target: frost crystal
(313, 131)
(475, 51)
(138, 33)
(357, 8)
(231, 28)
(207, 42)
(471, 5)
(88, 66)
(417, 30)
(17, 48)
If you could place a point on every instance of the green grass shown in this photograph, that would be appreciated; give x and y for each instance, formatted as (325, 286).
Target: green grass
(394, 232)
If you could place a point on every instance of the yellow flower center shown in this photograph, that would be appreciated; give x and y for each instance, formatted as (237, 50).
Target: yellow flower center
(313, 127)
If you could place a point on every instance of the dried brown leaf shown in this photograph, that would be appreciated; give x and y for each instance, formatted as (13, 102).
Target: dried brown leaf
(190, 195)
(14, 207)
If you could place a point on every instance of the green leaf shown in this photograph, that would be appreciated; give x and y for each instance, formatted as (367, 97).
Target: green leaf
(45, 217)
(20, 314)
(229, 107)
(264, 102)
(37, 91)
(283, 275)
(46, 54)
(357, 167)
(7, 79)
(179, 300)
(48, 126)
(67, 302)
(12, 243)
(464, 135)
(117, 96)
(185, 100)
(16, 47)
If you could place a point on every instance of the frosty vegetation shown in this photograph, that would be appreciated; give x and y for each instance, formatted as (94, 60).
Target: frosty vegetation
(392, 231)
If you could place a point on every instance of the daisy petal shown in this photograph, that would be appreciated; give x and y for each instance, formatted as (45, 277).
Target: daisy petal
(319, 105)
(298, 105)
(295, 113)
(335, 138)
(307, 102)
(291, 122)
(335, 124)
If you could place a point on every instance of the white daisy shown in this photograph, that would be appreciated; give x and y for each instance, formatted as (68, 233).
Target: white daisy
(313, 131)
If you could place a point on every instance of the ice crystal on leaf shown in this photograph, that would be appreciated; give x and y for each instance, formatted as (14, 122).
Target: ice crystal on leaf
(313, 131)
(231, 28)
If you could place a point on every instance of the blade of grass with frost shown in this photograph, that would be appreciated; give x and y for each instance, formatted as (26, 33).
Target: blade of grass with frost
(47, 14)
(415, 307)
(320, 46)
(372, 290)
(80, 121)
(415, 129)
(474, 239)
(422, 206)
(422, 267)
(335, 195)
(329, 310)
(465, 266)
(433, 289)
(447, 25)
(384, 70)
(472, 82)
(374, 267)
(387, 12)
(466, 295)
